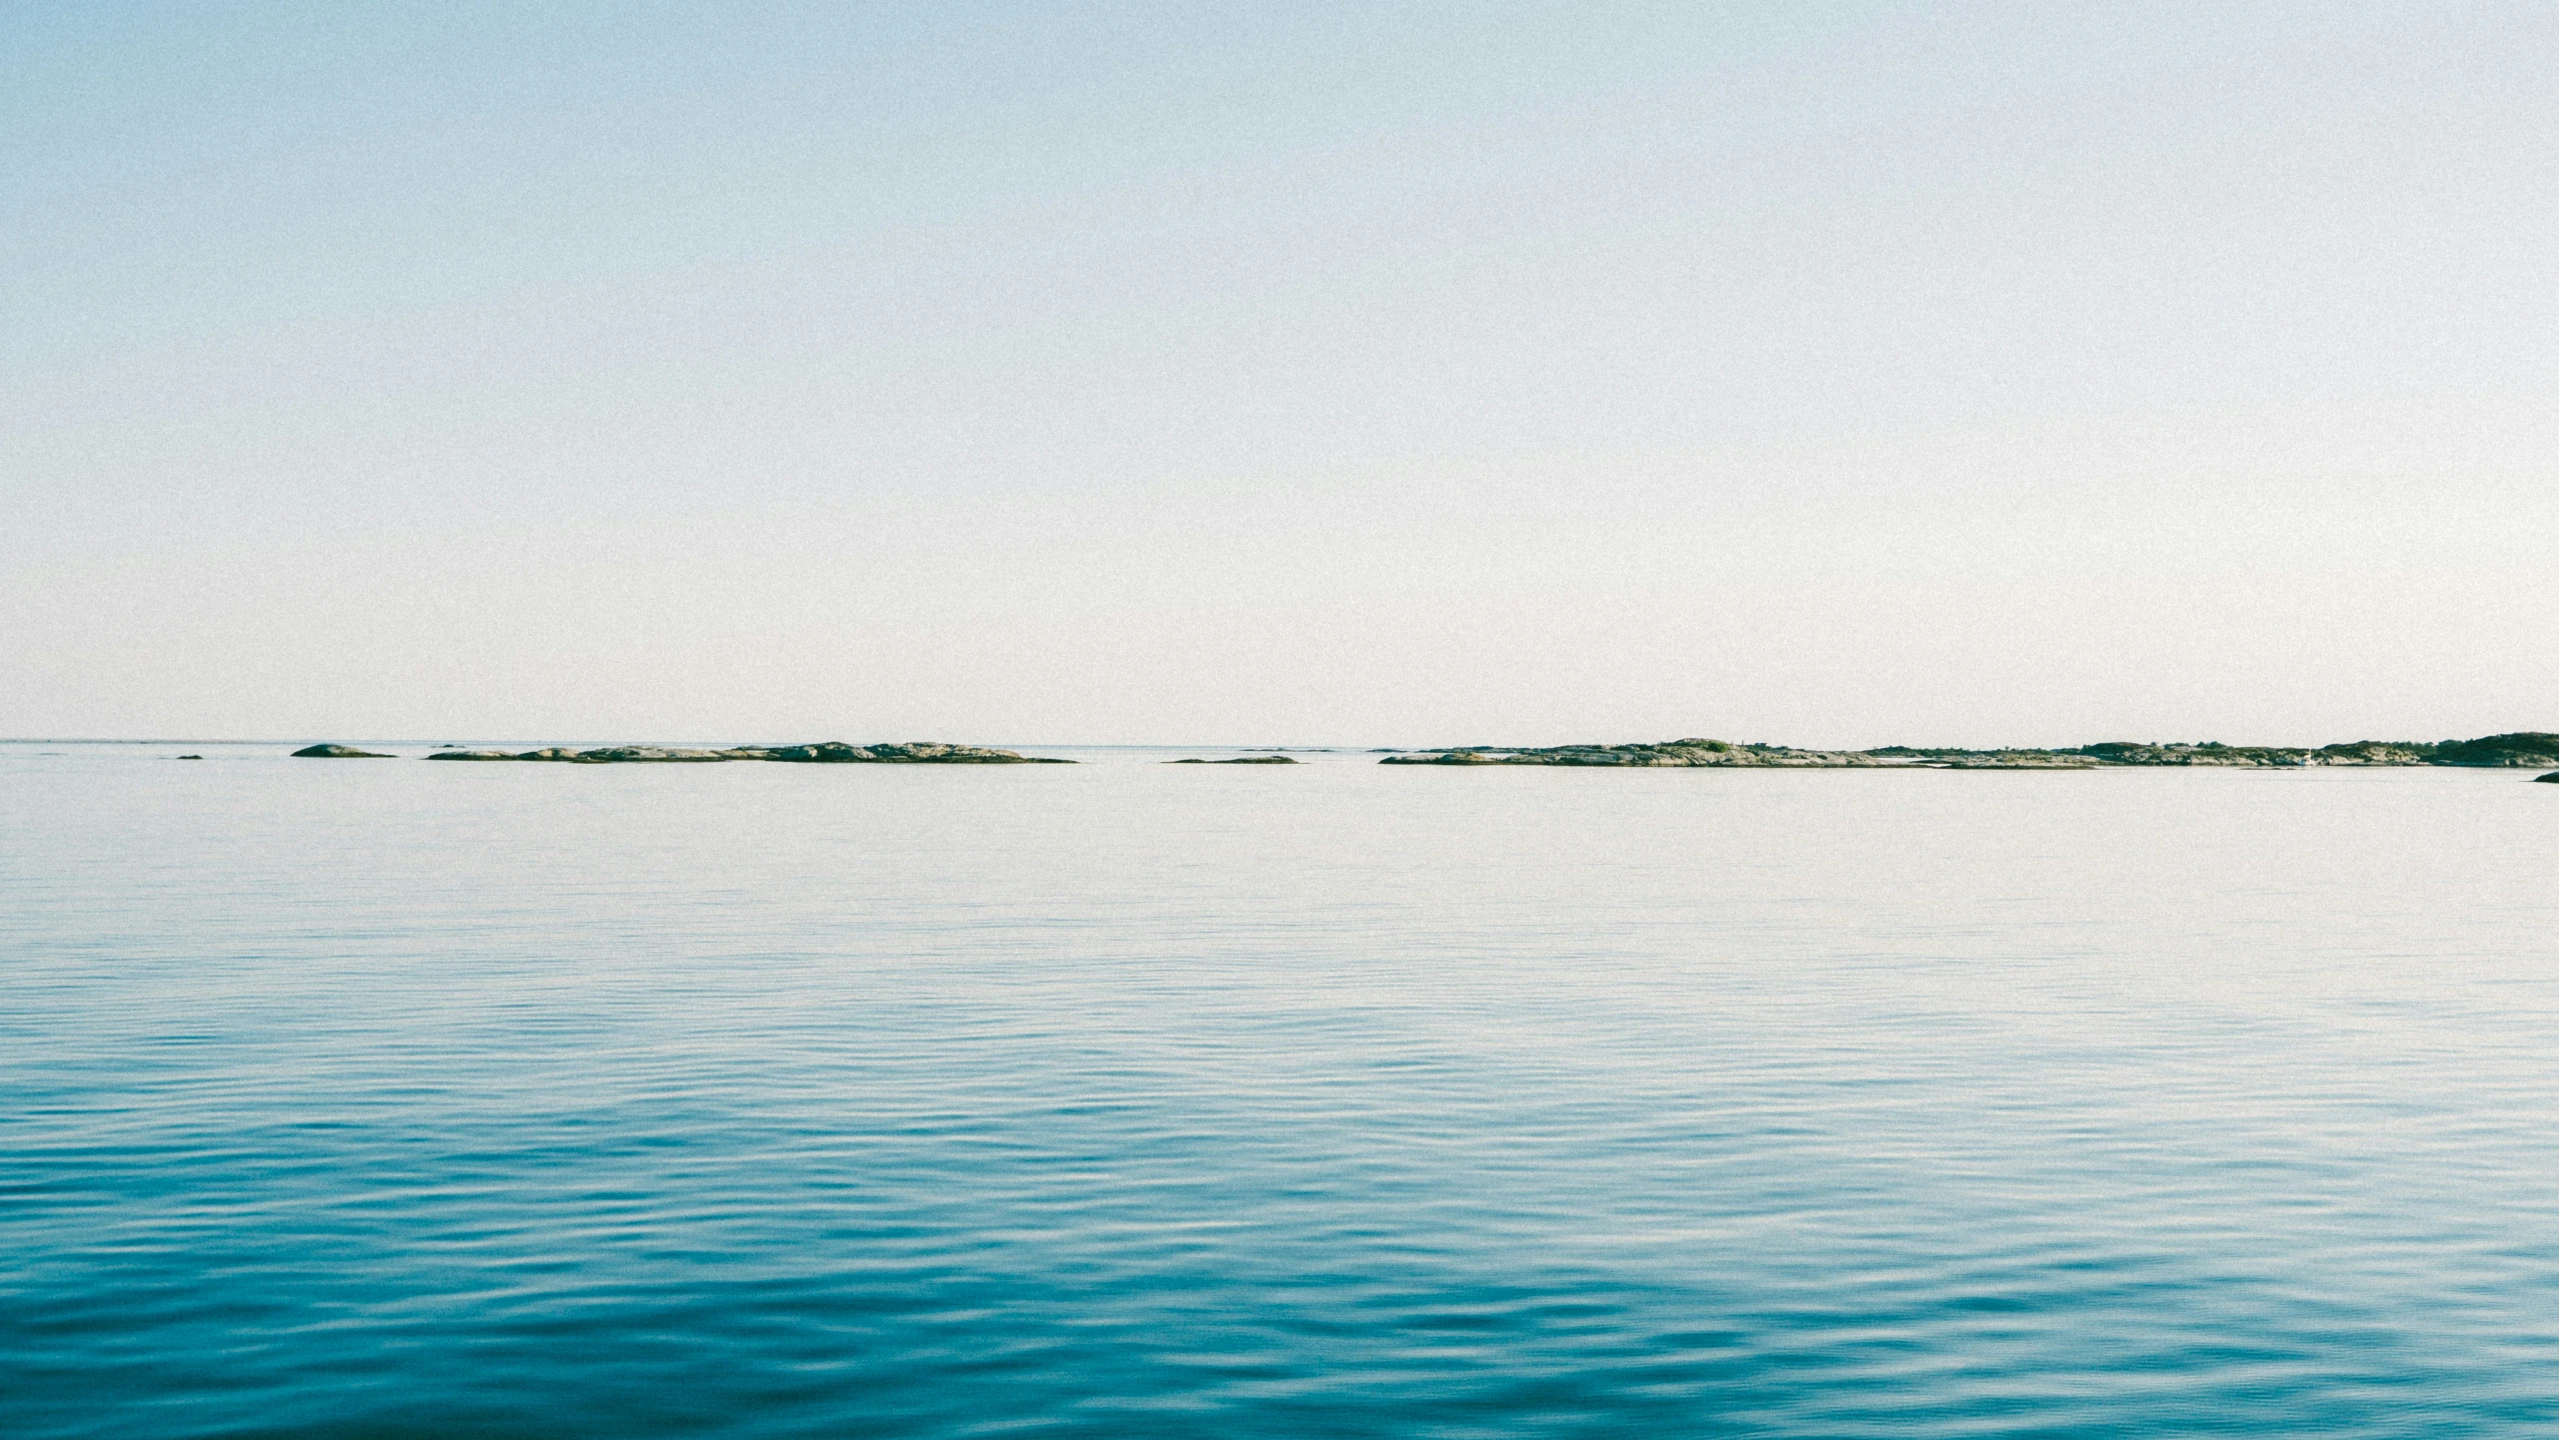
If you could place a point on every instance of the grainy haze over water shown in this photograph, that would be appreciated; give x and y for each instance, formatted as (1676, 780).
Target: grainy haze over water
(1949, 372)
(392, 1099)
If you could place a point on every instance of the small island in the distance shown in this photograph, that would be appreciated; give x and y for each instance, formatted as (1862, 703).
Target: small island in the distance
(2529, 750)
(831, 752)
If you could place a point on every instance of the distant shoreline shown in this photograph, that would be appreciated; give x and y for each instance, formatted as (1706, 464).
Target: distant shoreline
(2525, 750)
(2533, 750)
(2528, 750)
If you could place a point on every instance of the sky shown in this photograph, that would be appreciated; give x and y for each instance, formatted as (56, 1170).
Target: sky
(1832, 374)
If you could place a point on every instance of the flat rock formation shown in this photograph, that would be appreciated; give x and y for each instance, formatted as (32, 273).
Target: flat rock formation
(1243, 760)
(919, 752)
(1667, 754)
(2360, 752)
(2550, 779)
(832, 752)
(337, 752)
(2527, 750)
(2524, 750)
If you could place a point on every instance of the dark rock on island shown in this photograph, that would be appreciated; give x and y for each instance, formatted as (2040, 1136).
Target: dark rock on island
(2529, 750)
(337, 752)
(832, 752)
(1239, 760)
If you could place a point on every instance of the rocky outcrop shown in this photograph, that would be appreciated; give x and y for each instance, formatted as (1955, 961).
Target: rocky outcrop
(832, 752)
(2526, 750)
(2550, 779)
(918, 752)
(2358, 752)
(2120, 752)
(337, 752)
(1668, 754)
(2372, 752)
(1239, 760)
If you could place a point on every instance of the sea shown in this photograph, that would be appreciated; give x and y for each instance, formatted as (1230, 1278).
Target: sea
(375, 1098)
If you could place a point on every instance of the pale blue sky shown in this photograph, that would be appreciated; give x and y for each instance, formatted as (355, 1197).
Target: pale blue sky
(1282, 373)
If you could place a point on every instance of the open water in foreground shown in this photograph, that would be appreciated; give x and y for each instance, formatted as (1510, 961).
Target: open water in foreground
(384, 1099)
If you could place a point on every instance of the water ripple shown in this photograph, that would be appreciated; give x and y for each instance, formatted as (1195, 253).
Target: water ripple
(1107, 1101)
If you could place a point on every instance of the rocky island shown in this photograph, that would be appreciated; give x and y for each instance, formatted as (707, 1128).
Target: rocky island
(2530, 750)
(1681, 753)
(831, 752)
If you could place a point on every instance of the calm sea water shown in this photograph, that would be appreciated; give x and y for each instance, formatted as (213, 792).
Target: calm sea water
(387, 1099)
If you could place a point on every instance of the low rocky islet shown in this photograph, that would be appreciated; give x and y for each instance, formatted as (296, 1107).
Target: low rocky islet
(2532, 750)
(832, 752)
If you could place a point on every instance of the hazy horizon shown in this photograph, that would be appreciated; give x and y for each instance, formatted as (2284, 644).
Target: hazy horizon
(1474, 741)
(1829, 375)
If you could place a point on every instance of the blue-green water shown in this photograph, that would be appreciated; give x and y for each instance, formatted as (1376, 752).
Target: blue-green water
(389, 1099)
